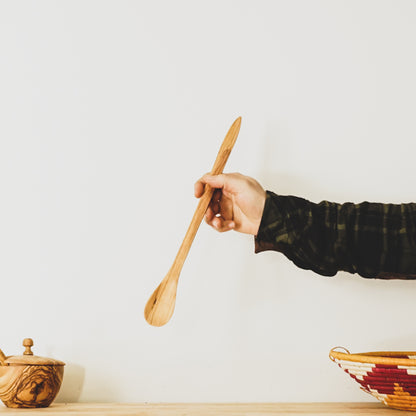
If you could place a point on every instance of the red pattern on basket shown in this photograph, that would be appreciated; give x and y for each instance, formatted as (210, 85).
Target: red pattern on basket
(384, 379)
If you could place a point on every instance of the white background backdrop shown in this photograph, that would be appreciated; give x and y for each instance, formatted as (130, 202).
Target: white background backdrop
(109, 112)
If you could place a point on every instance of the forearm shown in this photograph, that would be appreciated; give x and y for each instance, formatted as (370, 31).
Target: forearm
(371, 239)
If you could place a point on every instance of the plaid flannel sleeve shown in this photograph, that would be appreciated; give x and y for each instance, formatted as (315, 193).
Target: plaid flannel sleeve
(374, 240)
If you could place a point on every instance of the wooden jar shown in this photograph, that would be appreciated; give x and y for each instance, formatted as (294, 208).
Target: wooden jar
(28, 380)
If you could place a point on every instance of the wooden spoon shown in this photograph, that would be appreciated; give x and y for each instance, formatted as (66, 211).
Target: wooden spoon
(2, 357)
(159, 308)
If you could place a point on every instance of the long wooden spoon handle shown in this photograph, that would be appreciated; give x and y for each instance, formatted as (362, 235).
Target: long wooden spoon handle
(218, 167)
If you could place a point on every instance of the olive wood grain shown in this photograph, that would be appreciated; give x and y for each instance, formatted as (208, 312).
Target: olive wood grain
(160, 306)
(31, 385)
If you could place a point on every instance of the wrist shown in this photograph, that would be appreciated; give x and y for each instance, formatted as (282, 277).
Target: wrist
(260, 212)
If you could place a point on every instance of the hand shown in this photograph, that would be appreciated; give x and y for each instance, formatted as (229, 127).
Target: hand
(237, 202)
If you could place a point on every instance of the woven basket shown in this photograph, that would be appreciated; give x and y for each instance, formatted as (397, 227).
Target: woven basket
(388, 376)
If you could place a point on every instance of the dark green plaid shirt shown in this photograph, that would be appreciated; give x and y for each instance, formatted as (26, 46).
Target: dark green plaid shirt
(372, 239)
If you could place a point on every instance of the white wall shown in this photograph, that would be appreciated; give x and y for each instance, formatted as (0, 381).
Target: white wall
(109, 112)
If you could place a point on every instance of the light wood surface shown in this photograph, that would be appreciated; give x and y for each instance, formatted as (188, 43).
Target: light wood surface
(213, 409)
(160, 306)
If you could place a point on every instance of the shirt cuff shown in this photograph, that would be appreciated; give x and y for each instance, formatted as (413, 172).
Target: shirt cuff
(271, 223)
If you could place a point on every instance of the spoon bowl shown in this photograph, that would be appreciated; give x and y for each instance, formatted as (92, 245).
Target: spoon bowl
(160, 306)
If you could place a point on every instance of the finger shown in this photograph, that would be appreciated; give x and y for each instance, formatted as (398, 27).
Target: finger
(212, 210)
(227, 210)
(222, 225)
(226, 226)
(199, 188)
(215, 181)
(216, 207)
(209, 215)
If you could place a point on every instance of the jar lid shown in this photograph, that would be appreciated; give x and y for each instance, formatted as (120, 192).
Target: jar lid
(28, 358)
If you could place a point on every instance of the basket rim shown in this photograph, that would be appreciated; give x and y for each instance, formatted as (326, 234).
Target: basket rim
(374, 357)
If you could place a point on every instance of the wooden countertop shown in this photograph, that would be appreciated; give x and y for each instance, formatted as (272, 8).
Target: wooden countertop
(210, 409)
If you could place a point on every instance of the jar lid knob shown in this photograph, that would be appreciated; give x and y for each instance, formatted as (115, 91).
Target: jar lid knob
(27, 343)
